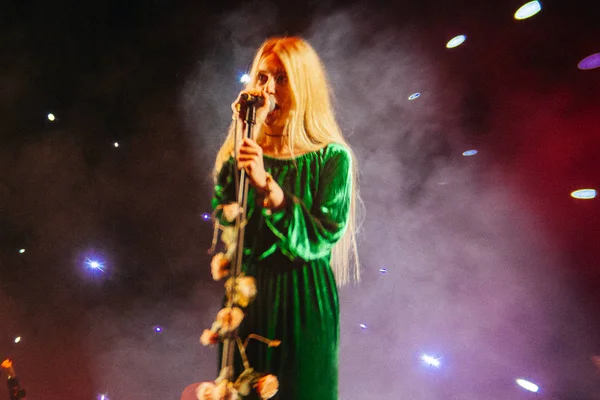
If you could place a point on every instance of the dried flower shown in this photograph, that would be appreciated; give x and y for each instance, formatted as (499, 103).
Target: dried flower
(205, 391)
(228, 319)
(225, 391)
(245, 290)
(219, 266)
(267, 386)
(209, 338)
(231, 211)
(229, 236)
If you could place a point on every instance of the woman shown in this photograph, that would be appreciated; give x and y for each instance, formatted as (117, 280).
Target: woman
(301, 213)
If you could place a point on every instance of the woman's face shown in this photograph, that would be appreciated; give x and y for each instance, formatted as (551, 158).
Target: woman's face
(272, 79)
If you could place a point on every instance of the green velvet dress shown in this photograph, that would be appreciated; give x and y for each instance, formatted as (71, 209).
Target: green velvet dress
(288, 252)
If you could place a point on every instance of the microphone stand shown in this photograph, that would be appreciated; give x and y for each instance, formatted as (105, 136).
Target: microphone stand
(242, 185)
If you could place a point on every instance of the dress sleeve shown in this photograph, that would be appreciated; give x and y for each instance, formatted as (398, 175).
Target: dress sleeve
(311, 233)
(224, 192)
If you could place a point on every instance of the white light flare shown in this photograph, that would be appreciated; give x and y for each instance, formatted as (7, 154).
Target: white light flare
(584, 194)
(21, 251)
(363, 326)
(414, 96)
(530, 386)
(456, 41)
(469, 153)
(51, 117)
(245, 78)
(430, 360)
(528, 10)
(95, 265)
(18, 339)
(116, 144)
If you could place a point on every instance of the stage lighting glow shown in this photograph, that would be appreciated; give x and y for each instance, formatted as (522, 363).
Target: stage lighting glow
(363, 326)
(528, 10)
(414, 96)
(469, 153)
(158, 329)
(584, 194)
(17, 339)
(206, 216)
(590, 62)
(532, 387)
(383, 270)
(456, 41)
(116, 144)
(51, 117)
(95, 265)
(102, 397)
(21, 251)
(431, 361)
(245, 78)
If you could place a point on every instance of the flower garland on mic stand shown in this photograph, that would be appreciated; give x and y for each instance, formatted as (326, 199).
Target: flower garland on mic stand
(240, 290)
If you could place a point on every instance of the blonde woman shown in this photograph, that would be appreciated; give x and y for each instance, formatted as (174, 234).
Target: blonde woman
(300, 236)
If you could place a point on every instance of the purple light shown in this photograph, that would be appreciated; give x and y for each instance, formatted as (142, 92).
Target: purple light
(383, 270)
(590, 62)
(430, 361)
(95, 265)
(158, 329)
(363, 326)
(206, 216)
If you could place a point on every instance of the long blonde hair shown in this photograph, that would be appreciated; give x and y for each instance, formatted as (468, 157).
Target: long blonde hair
(310, 126)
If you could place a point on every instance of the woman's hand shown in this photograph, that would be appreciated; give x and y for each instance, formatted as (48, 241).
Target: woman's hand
(250, 158)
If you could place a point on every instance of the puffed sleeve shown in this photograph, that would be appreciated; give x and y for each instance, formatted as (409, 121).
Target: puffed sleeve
(224, 191)
(311, 233)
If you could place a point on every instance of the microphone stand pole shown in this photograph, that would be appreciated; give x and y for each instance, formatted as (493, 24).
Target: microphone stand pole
(236, 264)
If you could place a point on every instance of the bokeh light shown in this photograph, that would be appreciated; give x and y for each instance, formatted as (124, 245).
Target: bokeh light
(116, 144)
(158, 329)
(383, 270)
(51, 117)
(245, 78)
(456, 41)
(430, 360)
(469, 153)
(95, 265)
(584, 194)
(530, 386)
(528, 10)
(21, 251)
(414, 96)
(206, 216)
(18, 339)
(363, 326)
(590, 62)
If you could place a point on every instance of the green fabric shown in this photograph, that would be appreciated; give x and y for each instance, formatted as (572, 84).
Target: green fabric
(288, 253)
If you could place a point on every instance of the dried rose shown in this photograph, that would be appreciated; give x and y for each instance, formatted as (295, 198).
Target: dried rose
(209, 337)
(205, 391)
(219, 266)
(231, 211)
(225, 391)
(228, 319)
(267, 386)
(229, 236)
(245, 290)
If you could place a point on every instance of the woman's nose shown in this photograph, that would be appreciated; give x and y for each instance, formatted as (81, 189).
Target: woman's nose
(270, 86)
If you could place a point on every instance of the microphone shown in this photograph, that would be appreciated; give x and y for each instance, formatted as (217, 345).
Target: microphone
(257, 101)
